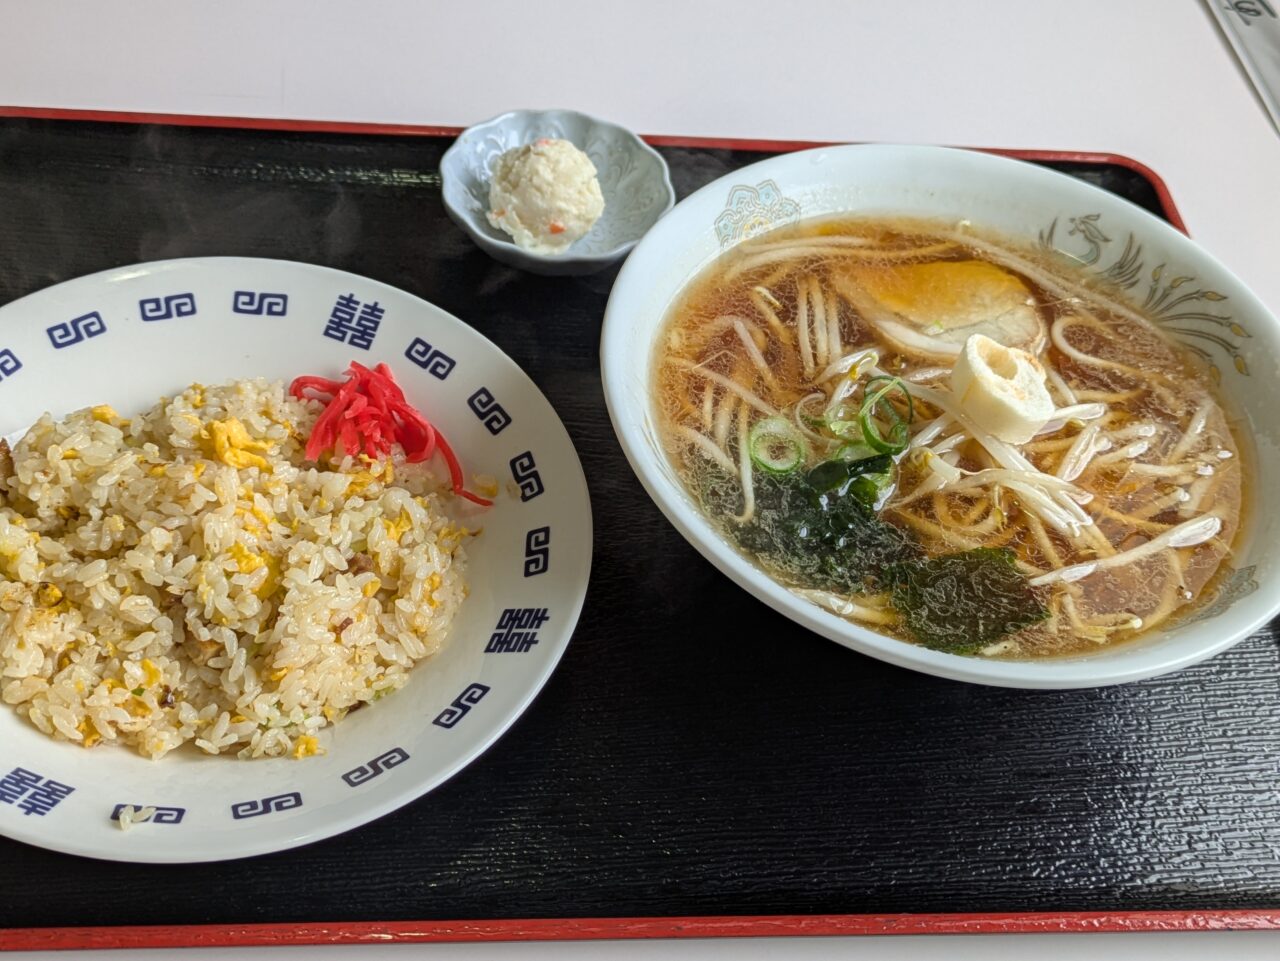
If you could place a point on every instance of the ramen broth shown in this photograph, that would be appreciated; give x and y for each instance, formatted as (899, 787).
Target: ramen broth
(803, 393)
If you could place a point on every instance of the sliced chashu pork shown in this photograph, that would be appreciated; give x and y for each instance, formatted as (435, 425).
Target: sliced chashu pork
(933, 308)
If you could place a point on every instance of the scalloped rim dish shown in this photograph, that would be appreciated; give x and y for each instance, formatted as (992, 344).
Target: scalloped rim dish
(459, 181)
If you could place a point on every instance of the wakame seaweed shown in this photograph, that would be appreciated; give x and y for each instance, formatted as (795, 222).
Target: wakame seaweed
(830, 539)
(820, 528)
(960, 603)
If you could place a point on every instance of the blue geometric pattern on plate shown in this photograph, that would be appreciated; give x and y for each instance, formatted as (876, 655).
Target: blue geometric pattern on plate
(353, 323)
(431, 359)
(114, 327)
(32, 793)
(162, 815)
(277, 802)
(259, 303)
(167, 308)
(461, 705)
(9, 363)
(492, 414)
(383, 762)
(537, 551)
(77, 329)
(517, 630)
(525, 473)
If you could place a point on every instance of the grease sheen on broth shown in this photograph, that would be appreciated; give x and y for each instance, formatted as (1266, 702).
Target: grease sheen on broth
(1149, 455)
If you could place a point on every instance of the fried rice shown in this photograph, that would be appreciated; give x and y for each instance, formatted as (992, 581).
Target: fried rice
(185, 576)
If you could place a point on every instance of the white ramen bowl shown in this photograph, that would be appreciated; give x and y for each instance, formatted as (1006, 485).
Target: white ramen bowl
(1025, 203)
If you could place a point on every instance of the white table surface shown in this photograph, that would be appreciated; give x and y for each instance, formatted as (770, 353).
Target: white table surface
(1152, 79)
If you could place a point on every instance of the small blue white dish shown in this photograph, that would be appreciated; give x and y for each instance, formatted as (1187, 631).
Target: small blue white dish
(633, 178)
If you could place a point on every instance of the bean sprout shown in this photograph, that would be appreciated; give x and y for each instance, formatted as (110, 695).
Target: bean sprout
(744, 465)
(1189, 534)
(728, 384)
(757, 358)
(705, 447)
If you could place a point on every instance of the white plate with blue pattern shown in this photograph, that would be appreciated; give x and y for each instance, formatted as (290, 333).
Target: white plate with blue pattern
(126, 337)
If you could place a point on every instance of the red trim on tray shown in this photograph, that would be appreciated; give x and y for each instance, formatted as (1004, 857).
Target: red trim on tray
(580, 929)
(587, 929)
(427, 130)
(1102, 157)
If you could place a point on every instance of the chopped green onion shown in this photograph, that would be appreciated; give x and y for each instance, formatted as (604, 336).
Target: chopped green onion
(776, 446)
(865, 489)
(870, 488)
(815, 421)
(848, 430)
(876, 403)
(855, 452)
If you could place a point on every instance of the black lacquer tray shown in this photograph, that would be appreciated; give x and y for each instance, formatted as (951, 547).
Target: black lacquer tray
(698, 764)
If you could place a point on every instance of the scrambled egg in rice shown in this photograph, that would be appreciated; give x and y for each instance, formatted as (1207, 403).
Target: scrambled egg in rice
(185, 576)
